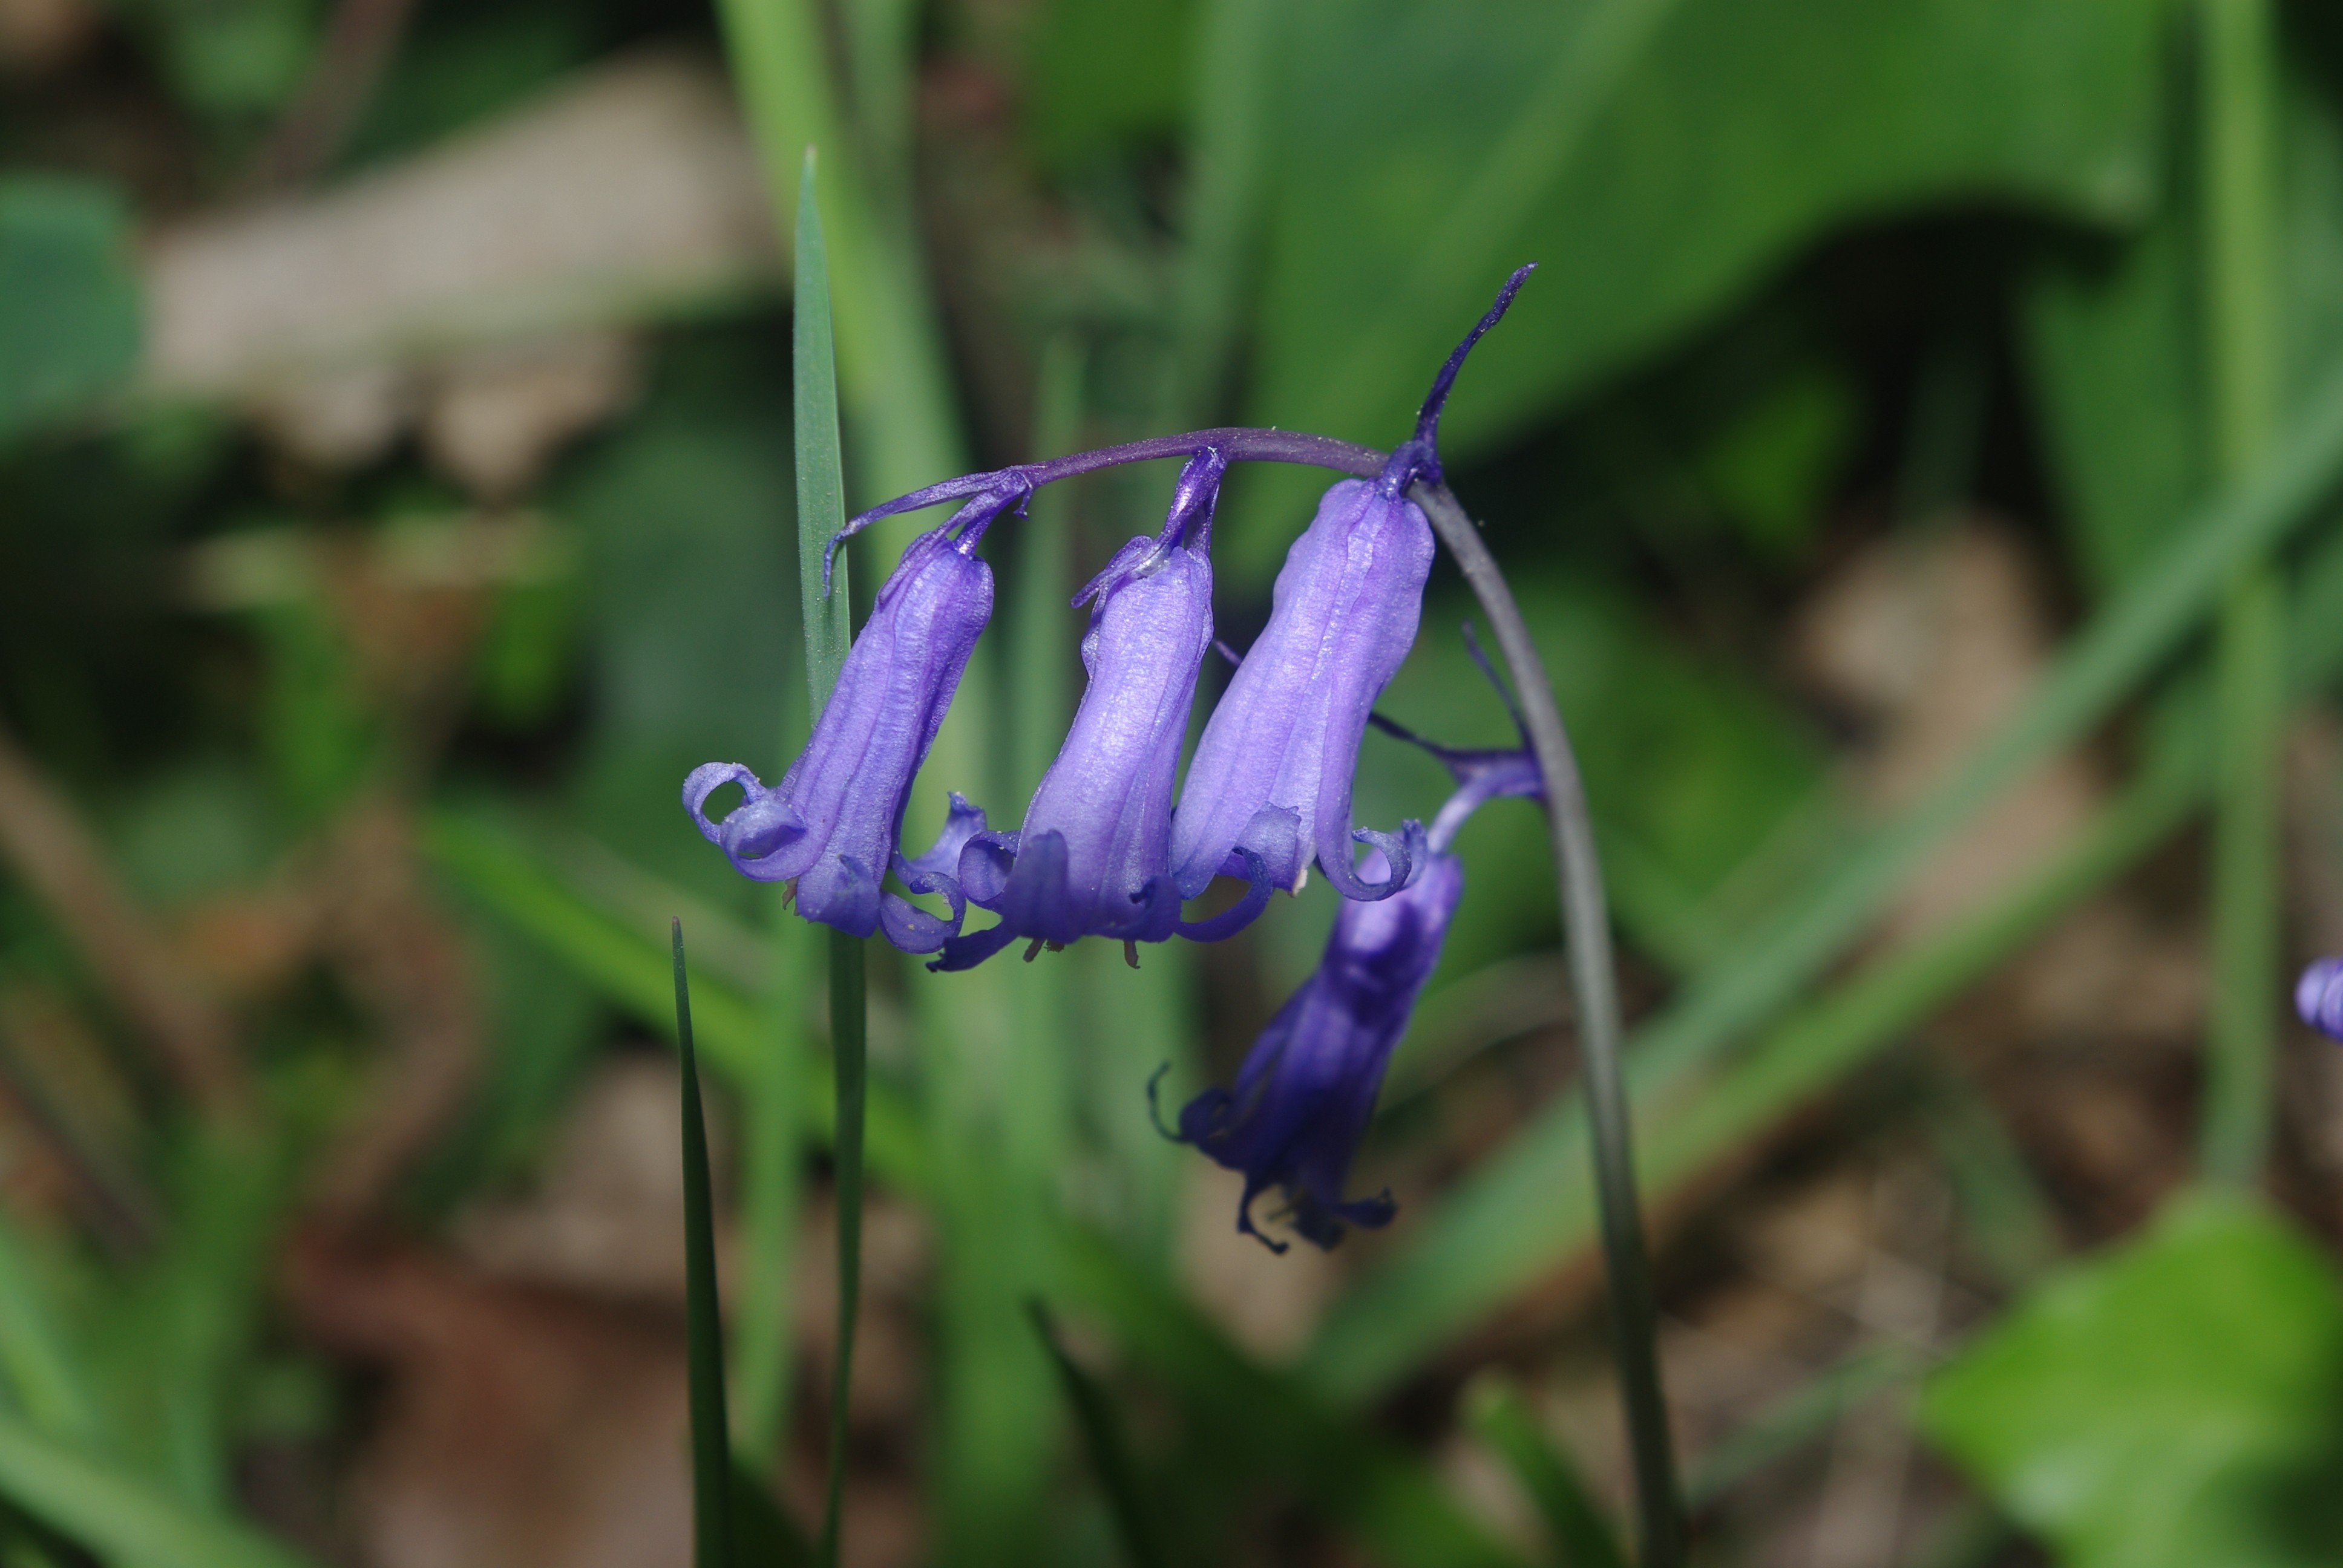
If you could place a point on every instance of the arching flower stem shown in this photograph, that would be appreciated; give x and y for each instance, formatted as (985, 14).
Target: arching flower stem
(1593, 981)
(1013, 486)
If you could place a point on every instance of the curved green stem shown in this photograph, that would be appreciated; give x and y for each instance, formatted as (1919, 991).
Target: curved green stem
(1586, 926)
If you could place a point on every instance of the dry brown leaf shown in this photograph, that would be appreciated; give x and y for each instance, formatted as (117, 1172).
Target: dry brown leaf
(521, 1427)
(607, 1214)
(1939, 636)
(626, 189)
(38, 37)
(472, 287)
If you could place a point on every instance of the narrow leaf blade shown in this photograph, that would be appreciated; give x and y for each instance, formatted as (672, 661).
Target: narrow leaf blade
(711, 1455)
(118, 1518)
(821, 484)
(1109, 1456)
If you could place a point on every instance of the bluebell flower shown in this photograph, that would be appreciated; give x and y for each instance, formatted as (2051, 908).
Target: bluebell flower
(832, 824)
(1103, 849)
(2318, 996)
(1304, 1096)
(1092, 855)
(1270, 786)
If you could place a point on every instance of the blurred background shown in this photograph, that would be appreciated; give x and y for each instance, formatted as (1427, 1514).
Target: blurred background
(396, 501)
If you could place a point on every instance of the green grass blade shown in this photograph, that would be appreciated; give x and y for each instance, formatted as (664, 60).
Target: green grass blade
(821, 483)
(1502, 1420)
(2119, 649)
(762, 1534)
(891, 348)
(40, 1369)
(849, 1051)
(120, 1519)
(196, 1312)
(1103, 1438)
(2236, 171)
(1041, 659)
(822, 512)
(632, 973)
(774, 1116)
(507, 874)
(1273, 1423)
(2010, 1222)
(1798, 1418)
(711, 1450)
(1233, 77)
(2245, 939)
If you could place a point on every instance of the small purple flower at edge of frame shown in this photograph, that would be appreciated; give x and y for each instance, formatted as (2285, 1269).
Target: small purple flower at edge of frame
(832, 823)
(1270, 785)
(2318, 996)
(1092, 857)
(1302, 1100)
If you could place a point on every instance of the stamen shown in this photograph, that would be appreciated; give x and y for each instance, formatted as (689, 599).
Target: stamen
(1031, 949)
(1155, 1110)
(1131, 952)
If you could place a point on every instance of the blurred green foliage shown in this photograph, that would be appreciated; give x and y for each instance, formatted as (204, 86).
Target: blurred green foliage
(2171, 1402)
(69, 297)
(1810, 273)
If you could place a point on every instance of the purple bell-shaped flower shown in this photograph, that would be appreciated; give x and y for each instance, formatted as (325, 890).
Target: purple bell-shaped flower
(832, 823)
(2318, 996)
(1271, 781)
(1304, 1096)
(1092, 857)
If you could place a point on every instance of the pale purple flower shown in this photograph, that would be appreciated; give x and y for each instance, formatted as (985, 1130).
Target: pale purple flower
(2318, 996)
(832, 823)
(1304, 1096)
(1102, 850)
(1271, 780)
(1092, 855)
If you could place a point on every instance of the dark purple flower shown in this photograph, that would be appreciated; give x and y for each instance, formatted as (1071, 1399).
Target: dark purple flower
(1092, 857)
(832, 823)
(1304, 1096)
(2318, 996)
(1270, 785)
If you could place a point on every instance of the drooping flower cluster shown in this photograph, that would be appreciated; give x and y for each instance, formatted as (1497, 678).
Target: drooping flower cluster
(1114, 843)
